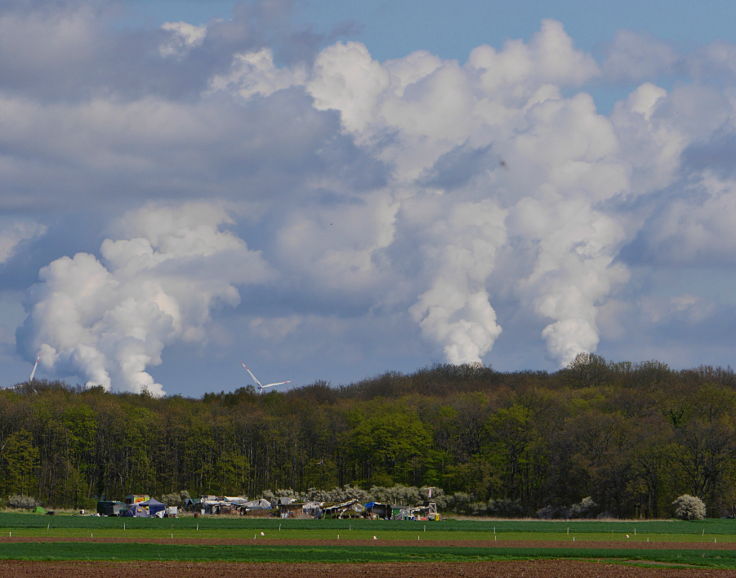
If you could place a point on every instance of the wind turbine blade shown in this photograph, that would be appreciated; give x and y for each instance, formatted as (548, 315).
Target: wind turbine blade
(35, 367)
(277, 383)
(253, 377)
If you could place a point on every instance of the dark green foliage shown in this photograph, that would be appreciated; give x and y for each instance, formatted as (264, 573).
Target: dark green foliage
(631, 437)
(19, 463)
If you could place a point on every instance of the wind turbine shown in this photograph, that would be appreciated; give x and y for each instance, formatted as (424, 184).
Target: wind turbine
(261, 386)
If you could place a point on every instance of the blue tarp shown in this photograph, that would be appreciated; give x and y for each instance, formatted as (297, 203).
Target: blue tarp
(153, 505)
(146, 509)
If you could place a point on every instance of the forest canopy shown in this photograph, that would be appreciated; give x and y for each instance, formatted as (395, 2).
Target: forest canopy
(631, 437)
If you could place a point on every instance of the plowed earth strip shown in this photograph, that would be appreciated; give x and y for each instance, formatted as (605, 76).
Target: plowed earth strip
(629, 545)
(531, 569)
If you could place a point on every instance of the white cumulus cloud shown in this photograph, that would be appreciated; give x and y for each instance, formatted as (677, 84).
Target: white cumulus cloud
(181, 38)
(14, 232)
(254, 73)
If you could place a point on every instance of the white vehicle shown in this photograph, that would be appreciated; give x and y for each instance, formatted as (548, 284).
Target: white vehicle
(260, 385)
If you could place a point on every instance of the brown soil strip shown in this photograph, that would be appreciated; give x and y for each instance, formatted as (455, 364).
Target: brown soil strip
(532, 569)
(631, 545)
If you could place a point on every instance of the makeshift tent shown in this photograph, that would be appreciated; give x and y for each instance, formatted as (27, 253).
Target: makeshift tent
(378, 510)
(237, 500)
(261, 504)
(312, 509)
(193, 504)
(135, 511)
(350, 509)
(153, 506)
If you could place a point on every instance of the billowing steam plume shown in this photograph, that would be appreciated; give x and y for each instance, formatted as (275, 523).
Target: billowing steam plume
(491, 138)
(109, 321)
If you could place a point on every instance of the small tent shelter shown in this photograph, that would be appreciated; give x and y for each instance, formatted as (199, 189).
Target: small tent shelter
(135, 511)
(149, 508)
(154, 507)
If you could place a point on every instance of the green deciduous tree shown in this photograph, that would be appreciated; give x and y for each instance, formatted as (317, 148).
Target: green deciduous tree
(19, 464)
(390, 445)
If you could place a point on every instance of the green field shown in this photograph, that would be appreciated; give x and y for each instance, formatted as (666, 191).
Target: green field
(498, 535)
(459, 529)
(172, 531)
(58, 551)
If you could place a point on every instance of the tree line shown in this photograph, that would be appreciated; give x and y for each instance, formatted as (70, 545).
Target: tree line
(628, 437)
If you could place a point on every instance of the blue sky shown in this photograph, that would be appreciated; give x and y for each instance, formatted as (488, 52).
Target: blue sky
(394, 28)
(330, 190)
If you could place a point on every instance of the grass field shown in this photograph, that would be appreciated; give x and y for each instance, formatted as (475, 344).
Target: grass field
(724, 527)
(412, 533)
(62, 551)
(697, 540)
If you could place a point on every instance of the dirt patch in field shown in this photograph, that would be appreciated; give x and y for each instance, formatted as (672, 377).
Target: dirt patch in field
(629, 544)
(532, 569)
